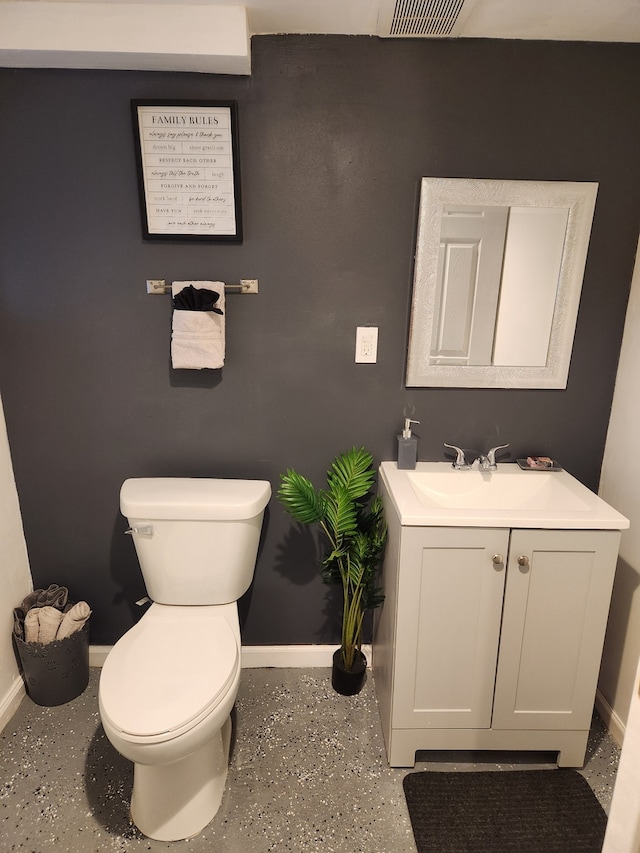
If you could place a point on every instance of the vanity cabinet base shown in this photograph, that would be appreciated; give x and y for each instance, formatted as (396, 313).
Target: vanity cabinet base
(403, 744)
(490, 638)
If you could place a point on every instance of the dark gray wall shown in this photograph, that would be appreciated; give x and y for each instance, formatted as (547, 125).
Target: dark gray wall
(335, 134)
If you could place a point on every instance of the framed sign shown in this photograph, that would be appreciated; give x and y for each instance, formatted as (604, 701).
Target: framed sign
(188, 170)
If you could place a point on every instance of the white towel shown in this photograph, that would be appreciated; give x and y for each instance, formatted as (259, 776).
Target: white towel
(49, 619)
(32, 625)
(197, 337)
(73, 620)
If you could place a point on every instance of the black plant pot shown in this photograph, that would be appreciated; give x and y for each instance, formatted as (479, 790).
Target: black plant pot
(348, 682)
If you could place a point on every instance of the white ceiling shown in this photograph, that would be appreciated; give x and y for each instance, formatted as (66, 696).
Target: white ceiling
(569, 20)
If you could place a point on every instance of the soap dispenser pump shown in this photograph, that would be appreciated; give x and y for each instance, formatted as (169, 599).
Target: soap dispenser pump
(407, 447)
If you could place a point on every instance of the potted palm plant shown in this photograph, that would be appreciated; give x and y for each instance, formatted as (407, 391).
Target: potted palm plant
(352, 521)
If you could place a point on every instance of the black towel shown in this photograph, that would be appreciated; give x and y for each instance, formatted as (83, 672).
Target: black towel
(192, 298)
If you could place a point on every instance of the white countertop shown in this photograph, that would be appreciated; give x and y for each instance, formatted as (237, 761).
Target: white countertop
(553, 500)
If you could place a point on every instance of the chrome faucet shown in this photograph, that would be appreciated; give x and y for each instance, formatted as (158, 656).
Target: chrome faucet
(460, 463)
(491, 455)
(488, 462)
(482, 462)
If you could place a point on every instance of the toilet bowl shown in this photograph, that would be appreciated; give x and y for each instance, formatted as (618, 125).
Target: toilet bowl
(166, 692)
(168, 685)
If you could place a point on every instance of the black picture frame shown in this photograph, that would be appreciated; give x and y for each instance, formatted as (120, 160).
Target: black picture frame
(188, 169)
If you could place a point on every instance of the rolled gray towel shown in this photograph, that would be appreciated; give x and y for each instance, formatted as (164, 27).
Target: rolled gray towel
(18, 622)
(73, 620)
(32, 626)
(49, 619)
(53, 596)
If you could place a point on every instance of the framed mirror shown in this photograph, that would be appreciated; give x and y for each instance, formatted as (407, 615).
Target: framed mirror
(497, 281)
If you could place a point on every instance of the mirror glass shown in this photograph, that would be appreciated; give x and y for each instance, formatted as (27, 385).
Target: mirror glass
(498, 275)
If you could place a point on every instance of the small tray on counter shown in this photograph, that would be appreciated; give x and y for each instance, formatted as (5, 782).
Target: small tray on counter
(526, 467)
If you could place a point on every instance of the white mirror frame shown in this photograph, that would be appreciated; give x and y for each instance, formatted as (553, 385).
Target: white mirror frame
(579, 198)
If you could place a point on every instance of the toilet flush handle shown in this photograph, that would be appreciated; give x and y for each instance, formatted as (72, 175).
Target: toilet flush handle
(145, 530)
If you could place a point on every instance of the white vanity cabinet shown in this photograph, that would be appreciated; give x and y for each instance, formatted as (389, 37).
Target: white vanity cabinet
(491, 638)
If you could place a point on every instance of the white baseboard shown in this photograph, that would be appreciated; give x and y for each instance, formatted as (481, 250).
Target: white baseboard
(11, 702)
(258, 657)
(611, 720)
(98, 654)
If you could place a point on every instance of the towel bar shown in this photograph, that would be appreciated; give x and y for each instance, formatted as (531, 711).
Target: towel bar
(247, 285)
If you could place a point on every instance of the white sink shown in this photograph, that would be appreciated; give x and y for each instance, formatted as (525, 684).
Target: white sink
(438, 494)
(503, 490)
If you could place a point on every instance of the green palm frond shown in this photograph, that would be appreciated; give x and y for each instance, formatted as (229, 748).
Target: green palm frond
(358, 558)
(372, 520)
(300, 499)
(372, 598)
(372, 523)
(341, 517)
(352, 471)
(331, 570)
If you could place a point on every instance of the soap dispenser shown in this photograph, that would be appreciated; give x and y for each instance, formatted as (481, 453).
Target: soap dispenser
(407, 447)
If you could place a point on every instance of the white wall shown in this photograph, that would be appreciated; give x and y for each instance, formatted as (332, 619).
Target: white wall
(212, 39)
(623, 827)
(620, 486)
(620, 671)
(15, 578)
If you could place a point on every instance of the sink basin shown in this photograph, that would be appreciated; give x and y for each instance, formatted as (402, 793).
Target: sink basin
(436, 494)
(503, 490)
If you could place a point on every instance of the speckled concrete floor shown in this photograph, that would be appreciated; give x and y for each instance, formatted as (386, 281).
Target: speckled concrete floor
(308, 773)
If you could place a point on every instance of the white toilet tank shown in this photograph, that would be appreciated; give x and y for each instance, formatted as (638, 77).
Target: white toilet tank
(196, 539)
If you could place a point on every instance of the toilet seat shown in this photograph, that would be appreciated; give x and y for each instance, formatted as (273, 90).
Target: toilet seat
(168, 672)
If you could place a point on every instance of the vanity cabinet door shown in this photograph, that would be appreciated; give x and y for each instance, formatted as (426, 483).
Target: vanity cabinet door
(555, 613)
(449, 608)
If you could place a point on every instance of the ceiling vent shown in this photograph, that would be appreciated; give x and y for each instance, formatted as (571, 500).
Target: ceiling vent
(423, 18)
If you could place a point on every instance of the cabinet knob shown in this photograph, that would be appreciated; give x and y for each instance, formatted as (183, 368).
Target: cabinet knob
(523, 562)
(498, 561)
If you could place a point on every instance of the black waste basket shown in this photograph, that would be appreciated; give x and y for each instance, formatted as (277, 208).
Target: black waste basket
(57, 672)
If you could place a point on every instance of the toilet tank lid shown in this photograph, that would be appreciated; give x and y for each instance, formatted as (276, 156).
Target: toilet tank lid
(197, 499)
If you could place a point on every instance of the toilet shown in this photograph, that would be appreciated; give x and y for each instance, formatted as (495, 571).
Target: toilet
(168, 685)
